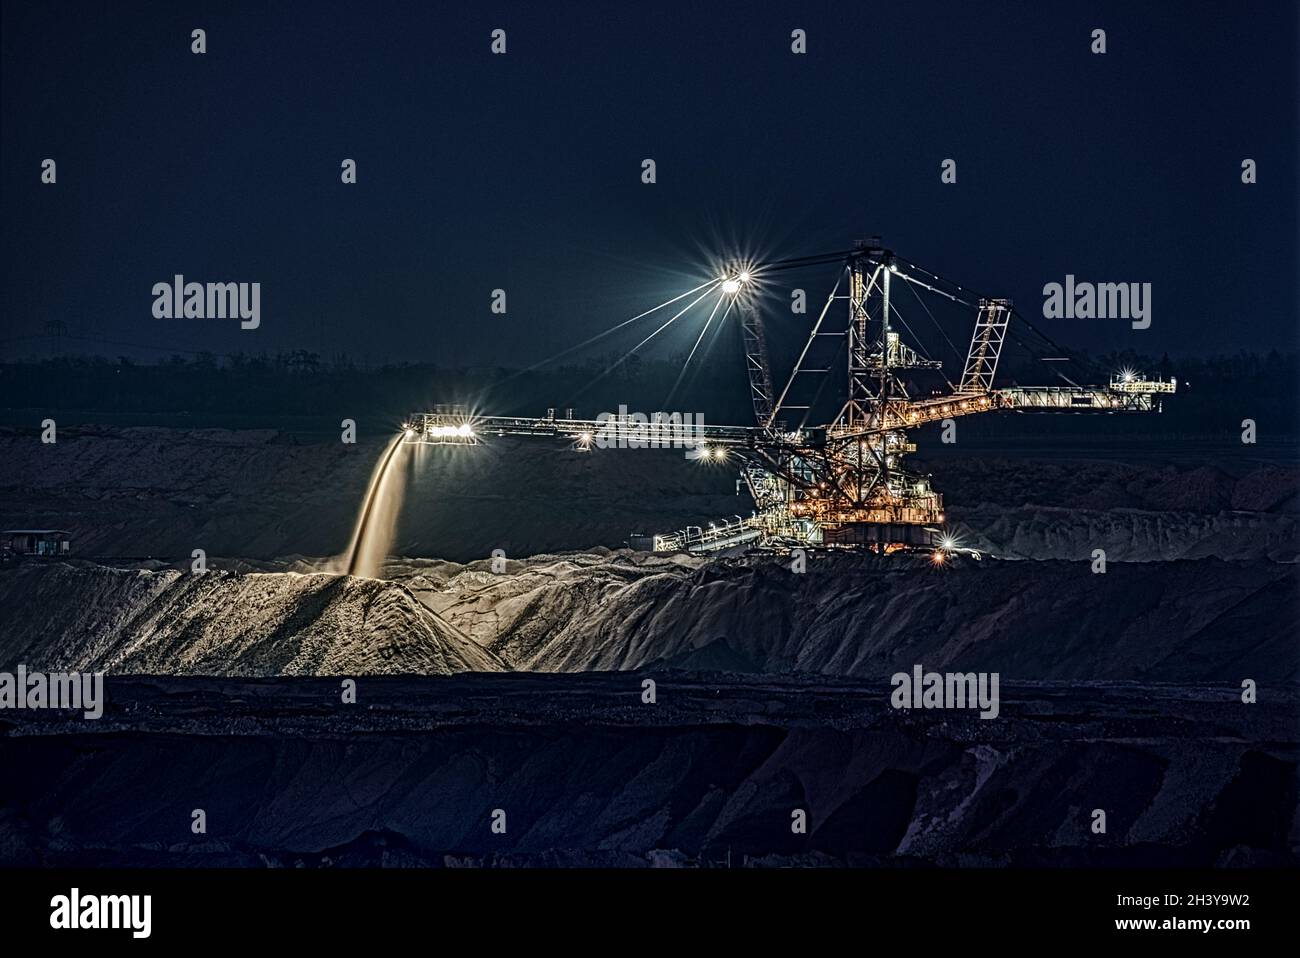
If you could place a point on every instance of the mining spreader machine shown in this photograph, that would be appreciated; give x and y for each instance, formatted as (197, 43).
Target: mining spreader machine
(842, 484)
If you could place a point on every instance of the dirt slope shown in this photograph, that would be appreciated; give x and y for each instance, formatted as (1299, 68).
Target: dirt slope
(261, 494)
(1207, 620)
(66, 616)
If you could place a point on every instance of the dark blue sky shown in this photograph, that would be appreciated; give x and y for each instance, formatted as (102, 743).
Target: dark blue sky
(523, 171)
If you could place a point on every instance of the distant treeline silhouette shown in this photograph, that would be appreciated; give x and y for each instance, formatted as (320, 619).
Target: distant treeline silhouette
(300, 390)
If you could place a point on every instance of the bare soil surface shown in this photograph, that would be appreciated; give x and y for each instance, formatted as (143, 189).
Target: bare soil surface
(589, 774)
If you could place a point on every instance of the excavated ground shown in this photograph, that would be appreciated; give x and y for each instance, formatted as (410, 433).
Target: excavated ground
(864, 617)
(587, 773)
(264, 495)
(1121, 691)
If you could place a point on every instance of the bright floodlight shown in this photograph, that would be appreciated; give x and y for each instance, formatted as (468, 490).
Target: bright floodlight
(948, 542)
(463, 431)
(410, 433)
(744, 277)
(731, 286)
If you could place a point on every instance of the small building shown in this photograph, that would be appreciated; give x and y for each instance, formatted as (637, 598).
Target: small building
(36, 542)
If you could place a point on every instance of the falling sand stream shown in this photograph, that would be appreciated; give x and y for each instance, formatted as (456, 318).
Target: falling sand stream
(377, 520)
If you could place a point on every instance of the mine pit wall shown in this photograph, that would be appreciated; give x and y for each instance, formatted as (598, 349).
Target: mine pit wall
(1188, 780)
(260, 494)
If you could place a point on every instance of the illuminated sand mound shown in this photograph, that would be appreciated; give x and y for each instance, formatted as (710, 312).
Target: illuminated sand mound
(867, 617)
(66, 617)
(859, 617)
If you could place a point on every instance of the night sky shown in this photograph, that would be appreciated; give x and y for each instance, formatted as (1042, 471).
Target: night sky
(522, 171)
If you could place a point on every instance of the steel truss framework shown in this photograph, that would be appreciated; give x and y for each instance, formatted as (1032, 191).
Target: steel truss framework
(843, 483)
